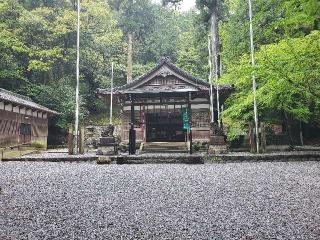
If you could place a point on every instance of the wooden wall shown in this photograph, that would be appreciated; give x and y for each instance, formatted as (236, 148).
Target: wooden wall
(10, 128)
(200, 124)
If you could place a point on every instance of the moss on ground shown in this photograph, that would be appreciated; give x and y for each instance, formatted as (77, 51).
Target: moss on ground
(9, 154)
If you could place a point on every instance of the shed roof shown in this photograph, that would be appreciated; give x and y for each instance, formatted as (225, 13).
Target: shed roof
(25, 101)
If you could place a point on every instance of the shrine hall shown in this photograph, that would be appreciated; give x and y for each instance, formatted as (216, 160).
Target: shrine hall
(166, 104)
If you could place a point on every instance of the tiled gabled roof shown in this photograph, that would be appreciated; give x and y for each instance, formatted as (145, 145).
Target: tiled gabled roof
(165, 61)
(25, 101)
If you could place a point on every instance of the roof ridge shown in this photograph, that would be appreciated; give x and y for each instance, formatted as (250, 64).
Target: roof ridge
(200, 83)
(162, 61)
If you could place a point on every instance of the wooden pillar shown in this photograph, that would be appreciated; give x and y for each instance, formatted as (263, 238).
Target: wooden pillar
(70, 141)
(143, 124)
(190, 122)
(81, 141)
(251, 138)
(132, 132)
(263, 137)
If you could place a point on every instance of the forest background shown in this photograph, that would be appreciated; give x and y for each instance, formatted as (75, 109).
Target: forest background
(38, 53)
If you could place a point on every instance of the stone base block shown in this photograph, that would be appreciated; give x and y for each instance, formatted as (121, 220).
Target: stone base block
(104, 160)
(106, 151)
(105, 141)
(217, 140)
(217, 149)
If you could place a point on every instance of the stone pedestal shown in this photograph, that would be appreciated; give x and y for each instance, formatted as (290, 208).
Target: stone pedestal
(107, 142)
(106, 151)
(217, 140)
(218, 149)
(217, 144)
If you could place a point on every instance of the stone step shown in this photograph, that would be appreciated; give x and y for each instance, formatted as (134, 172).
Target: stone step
(159, 158)
(163, 147)
(165, 150)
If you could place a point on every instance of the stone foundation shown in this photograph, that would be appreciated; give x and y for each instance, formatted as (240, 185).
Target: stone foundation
(218, 149)
(93, 135)
(217, 145)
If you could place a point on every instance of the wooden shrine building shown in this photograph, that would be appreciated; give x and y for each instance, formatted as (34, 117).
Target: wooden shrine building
(157, 105)
(22, 121)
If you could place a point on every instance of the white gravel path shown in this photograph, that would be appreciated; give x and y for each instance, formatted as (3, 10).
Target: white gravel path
(40, 200)
(53, 155)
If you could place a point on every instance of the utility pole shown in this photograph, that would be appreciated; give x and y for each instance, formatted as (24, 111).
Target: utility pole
(254, 84)
(77, 88)
(111, 95)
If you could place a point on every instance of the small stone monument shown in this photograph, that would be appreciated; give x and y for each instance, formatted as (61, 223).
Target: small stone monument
(217, 144)
(107, 144)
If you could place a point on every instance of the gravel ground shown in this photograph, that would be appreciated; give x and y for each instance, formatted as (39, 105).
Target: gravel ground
(41, 200)
(54, 155)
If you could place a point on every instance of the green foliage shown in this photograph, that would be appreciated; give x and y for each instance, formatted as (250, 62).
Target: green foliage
(288, 80)
(206, 8)
(192, 48)
(38, 52)
(235, 31)
(273, 20)
(38, 48)
(137, 17)
(301, 17)
(39, 145)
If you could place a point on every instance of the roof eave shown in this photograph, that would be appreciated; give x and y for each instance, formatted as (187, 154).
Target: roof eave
(44, 109)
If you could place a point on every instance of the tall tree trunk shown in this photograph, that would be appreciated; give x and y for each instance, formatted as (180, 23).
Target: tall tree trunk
(301, 134)
(288, 128)
(215, 50)
(129, 61)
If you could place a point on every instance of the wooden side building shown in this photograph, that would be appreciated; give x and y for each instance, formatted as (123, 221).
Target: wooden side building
(153, 105)
(22, 120)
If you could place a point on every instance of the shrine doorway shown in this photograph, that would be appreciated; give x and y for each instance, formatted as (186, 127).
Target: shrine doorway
(164, 126)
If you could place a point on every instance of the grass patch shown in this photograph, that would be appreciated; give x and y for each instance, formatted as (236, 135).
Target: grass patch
(9, 154)
(39, 145)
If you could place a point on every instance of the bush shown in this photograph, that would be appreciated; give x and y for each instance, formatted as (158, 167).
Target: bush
(39, 145)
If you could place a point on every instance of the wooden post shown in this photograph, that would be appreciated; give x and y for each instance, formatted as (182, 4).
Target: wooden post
(301, 134)
(251, 138)
(70, 141)
(132, 133)
(81, 143)
(263, 137)
(190, 122)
